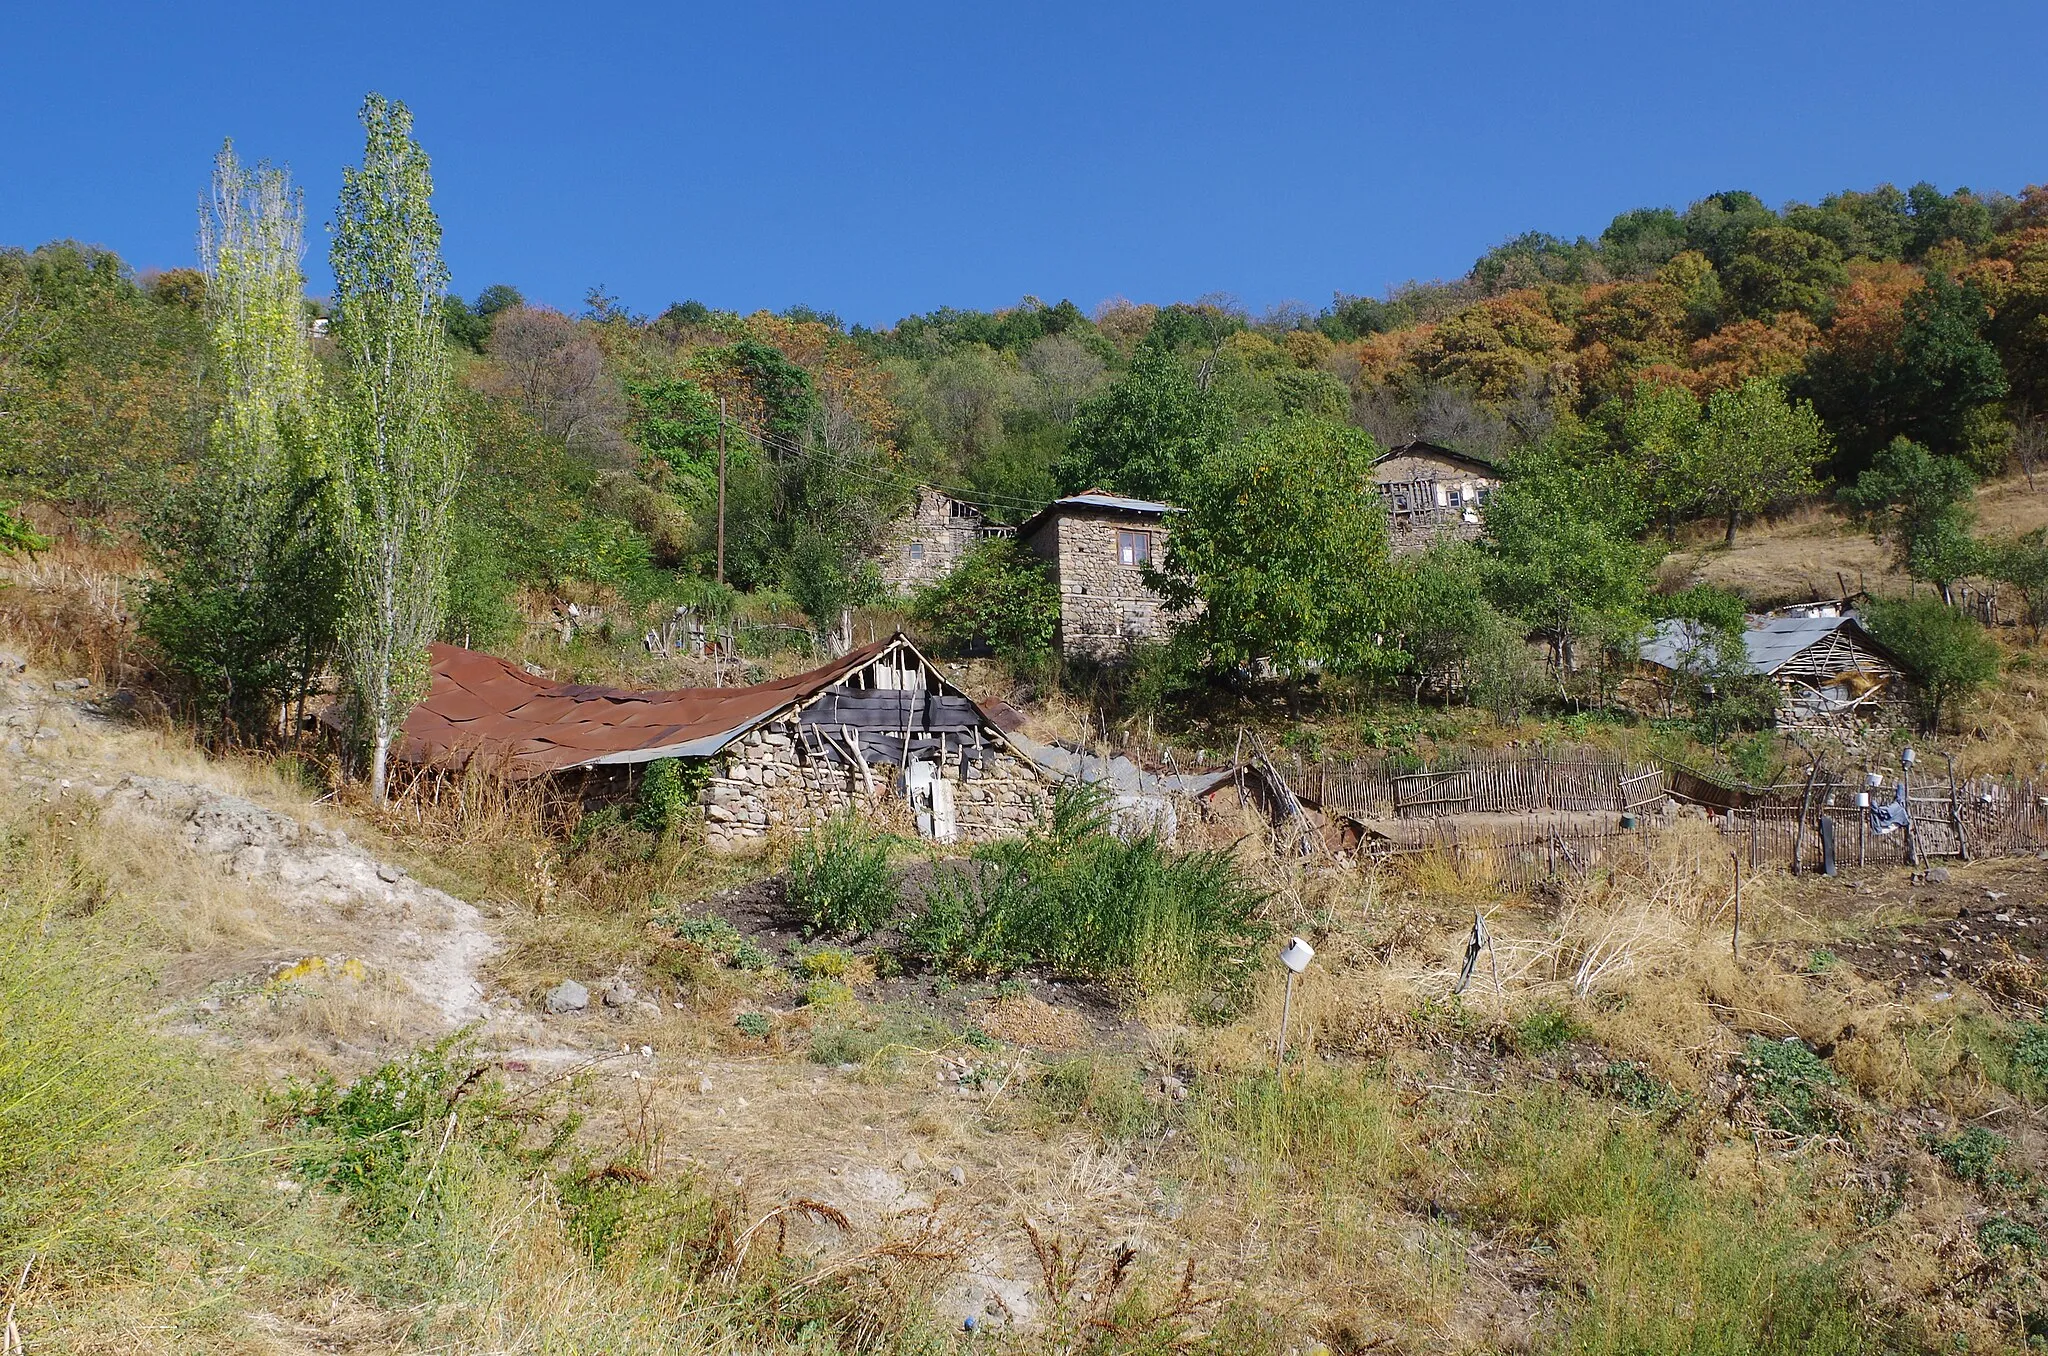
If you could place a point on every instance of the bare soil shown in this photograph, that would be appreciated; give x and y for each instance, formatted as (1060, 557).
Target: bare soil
(1984, 924)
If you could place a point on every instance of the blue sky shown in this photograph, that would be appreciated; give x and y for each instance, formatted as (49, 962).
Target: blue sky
(877, 160)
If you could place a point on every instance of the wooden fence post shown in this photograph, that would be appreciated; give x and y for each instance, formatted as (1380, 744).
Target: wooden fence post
(1735, 936)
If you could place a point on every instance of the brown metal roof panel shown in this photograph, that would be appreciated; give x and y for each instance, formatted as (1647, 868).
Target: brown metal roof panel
(480, 704)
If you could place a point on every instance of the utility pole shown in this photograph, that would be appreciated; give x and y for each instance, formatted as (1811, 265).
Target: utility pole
(721, 490)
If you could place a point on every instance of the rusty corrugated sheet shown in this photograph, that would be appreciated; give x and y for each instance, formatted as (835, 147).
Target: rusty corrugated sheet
(525, 727)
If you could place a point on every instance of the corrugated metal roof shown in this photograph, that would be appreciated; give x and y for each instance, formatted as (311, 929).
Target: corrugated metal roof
(1097, 499)
(1667, 643)
(1775, 641)
(480, 705)
(1769, 642)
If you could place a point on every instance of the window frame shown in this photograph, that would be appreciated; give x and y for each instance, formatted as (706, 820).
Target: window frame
(1133, 547)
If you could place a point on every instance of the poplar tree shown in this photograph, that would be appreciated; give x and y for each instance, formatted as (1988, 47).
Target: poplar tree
(396, 460)
(235, 605)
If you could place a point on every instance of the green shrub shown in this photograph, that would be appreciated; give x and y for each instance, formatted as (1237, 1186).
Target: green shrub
(383, 1136)
(826, 994)
(2030, 1050)
(1792, 1082)
(1973, 1156)
(1946, 651)
(830, 963)
(839, 877)
(1545, 1029)
(667, 790)
(755, 1024)
(999, 596)
(1073, 896)
(717, 937)
(2001, 1232)
(1820, 960)
(1635, 1088)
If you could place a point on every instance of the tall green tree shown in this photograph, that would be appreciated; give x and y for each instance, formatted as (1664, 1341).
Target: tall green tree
(1282, 554)
(2021, 562)
(1563, 555)
(1753, 448)
(1937, 385)
(1780, 268)
(1920, 503)
(1146, 433)
(397, 462)
(1949, 654)
(240, 604)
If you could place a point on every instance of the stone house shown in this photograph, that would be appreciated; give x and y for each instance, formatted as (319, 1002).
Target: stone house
(789, 754)
(1099, 545)
(928, 543)
(1432, 492)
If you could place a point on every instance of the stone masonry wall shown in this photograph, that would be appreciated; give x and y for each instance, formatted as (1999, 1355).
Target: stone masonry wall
(1105, 607)
(944, 538)
(1429, 483)
(770, 783)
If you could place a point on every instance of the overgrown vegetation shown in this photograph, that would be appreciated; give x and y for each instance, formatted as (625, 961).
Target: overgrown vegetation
(839, 877)
(1074, 896)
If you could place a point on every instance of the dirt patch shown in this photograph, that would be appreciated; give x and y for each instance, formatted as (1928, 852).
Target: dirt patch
(1984, 924)
(1024, 1020)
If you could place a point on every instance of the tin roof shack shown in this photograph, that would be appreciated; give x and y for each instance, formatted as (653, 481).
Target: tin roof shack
(1099, 545)
(1431, 492)
(788, 753)
(929, 542)
(1830, 672)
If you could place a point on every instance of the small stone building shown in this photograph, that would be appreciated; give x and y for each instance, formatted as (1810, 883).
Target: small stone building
(1099, 545)
(929, 543)
(1829, 671)
(1432, 492)
(788, 754)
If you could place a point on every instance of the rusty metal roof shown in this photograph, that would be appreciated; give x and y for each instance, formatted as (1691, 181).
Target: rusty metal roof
(525, 726)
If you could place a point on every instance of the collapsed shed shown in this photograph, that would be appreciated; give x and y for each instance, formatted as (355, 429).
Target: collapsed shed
(793, 752)
(1829, 670)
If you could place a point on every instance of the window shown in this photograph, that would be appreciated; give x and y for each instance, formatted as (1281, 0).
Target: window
(917, 550)
(1133, 548)
(1457, 499)
(1401, 501)
(1485, 494)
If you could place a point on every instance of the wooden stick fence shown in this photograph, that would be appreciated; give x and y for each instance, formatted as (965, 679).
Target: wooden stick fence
(1981, 817)
(1480, 783)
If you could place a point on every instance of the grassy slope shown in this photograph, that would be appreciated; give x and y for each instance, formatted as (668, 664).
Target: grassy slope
(1800, 555)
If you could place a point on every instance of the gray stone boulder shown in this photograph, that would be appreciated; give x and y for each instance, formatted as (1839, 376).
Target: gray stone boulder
(568, 996)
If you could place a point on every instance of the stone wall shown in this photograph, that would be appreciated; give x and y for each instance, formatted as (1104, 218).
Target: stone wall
(769, 782)
(1105, 606)
(1419, 491)
(929, 543)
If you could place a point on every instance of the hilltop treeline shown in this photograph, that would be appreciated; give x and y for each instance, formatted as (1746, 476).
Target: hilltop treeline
(1714, 362)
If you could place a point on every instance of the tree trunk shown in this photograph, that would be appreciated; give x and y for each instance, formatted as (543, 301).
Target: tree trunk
(380, 749)
(1733, 515)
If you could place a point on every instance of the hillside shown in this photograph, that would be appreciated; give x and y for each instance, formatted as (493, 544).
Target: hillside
(1655, 1158)
(1807, 553)
(688, 1012)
